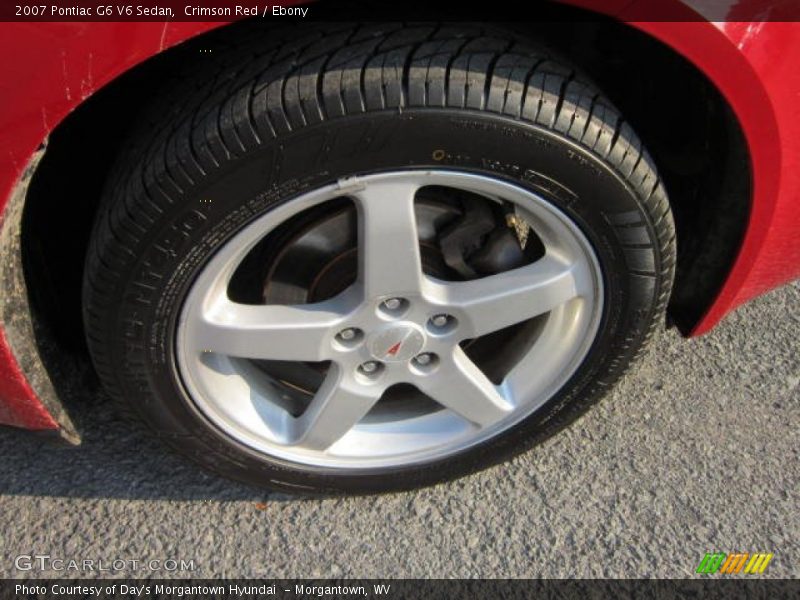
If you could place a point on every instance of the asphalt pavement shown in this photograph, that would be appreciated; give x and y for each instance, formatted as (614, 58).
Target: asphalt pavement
(695, 451)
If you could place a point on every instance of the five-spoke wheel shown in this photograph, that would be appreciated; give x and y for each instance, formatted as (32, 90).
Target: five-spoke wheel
(394, 325)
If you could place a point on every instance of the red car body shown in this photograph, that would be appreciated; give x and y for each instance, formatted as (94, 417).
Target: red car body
(50, 68)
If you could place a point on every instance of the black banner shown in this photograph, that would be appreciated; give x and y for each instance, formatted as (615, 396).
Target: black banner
(103, 589)
(379, 10)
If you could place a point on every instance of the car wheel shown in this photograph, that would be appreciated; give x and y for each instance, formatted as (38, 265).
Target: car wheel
(366, 259)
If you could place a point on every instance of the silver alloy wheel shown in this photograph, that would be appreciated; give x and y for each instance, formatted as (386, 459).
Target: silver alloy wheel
(383, 346)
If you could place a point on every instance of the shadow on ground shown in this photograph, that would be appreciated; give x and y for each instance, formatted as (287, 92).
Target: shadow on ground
(117, 459)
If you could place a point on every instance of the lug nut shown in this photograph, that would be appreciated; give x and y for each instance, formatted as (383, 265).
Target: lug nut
(440, 320)
(392, 303)
(348, 334)
(369, 367)
(423, 359)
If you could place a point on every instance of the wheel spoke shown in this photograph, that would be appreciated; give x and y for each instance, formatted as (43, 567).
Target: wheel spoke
(461, 386)
(389, 253)
(268, 332)
(492, 303)
(339, 404)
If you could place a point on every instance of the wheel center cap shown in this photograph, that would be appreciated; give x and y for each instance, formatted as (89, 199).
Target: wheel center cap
(396, 343)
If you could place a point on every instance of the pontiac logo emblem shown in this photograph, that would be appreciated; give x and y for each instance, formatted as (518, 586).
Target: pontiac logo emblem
(394, 349)
(396, 343)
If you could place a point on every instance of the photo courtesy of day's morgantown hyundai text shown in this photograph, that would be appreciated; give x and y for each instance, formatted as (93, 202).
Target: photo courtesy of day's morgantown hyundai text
(359, 256)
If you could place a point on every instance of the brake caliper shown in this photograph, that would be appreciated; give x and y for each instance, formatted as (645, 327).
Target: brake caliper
(476, 244)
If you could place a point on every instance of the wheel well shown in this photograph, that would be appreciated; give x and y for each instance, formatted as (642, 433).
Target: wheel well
(685, 123)
(695, 140)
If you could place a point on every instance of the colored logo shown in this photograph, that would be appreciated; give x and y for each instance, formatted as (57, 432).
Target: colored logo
(743, 562)
(396, 343)
(394, 349)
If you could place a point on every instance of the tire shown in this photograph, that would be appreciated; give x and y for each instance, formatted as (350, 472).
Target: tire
(275, 117)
